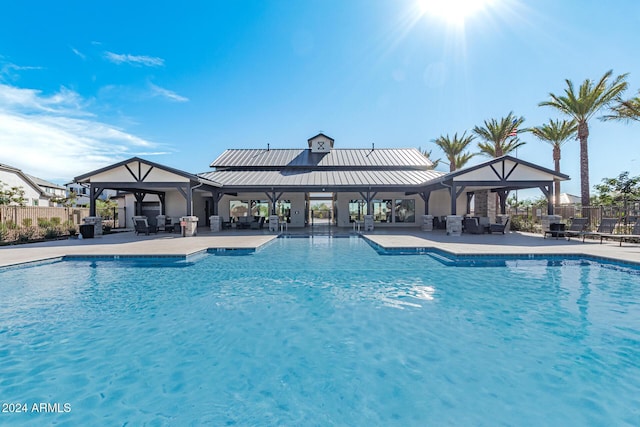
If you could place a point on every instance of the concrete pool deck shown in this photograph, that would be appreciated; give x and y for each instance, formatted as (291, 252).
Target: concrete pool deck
(128, 244)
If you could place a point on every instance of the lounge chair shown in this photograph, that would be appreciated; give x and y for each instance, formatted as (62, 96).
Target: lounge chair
(578, 228)
(472, 226)
(498, 228)
(142, 226)
(256, 225)
(605, 229)
(226, 224)
(635, 235)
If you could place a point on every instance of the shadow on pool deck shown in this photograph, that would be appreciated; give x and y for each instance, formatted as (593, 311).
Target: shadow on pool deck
(127, 243)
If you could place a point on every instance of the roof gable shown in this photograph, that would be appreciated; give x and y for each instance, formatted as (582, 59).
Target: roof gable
(137, 170)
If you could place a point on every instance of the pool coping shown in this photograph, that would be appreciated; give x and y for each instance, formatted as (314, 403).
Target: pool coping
(448, 257)
(127, 245)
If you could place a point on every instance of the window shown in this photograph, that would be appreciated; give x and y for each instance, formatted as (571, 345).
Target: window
(382, 210)
(283, 209)
(238, 208)
(357, 210)
(260, 208)
(405, 210)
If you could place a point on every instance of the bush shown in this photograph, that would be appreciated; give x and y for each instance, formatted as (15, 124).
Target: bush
(11, 225)
(519, 223)
(55, 221)
(26, 234)
(44, 223)
(52, 233)
(4, 232)
(26, 222)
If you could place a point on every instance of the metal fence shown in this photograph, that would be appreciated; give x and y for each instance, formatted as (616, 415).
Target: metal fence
(533, 215)
(22, 215)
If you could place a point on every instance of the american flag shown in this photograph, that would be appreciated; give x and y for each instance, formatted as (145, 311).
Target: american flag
(514, 131)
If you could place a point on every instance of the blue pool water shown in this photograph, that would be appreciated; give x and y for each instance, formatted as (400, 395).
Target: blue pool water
(320, 332)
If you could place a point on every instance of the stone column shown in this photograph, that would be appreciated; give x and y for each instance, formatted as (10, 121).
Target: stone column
(214, 221)
(454, 225)
(427, 223)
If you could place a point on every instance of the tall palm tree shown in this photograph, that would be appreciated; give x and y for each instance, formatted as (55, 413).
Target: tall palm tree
(626, 110)
(454, 149)
(499, 136)
(582, 106)
(556, 133)
(427, 154)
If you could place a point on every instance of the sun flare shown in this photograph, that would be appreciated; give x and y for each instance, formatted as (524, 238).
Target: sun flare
(453, 11)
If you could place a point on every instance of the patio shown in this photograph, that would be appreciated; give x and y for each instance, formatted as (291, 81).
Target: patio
(167, 244)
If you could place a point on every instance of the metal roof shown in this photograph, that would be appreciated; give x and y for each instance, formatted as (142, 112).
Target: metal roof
(314, 178)
(363, 158)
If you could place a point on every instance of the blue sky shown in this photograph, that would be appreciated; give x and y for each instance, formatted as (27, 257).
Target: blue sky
(84, 84)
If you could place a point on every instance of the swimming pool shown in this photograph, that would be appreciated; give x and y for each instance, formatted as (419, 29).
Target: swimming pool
(320, 332)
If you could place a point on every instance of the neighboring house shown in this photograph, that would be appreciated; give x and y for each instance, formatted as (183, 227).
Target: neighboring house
(569, 199)
(82, 193)
(53, 190)
(34, 195)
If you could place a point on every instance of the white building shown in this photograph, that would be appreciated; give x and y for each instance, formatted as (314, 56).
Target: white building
(34, 195)
(389, 187)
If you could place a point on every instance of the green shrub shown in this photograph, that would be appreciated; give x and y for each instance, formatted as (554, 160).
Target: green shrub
(52, 233)
(44, 223)
(11, 225)
(4, 232)
(26, 234)
(56, 221)
(26, 222)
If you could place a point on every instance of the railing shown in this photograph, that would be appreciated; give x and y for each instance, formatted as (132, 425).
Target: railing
(532, 216)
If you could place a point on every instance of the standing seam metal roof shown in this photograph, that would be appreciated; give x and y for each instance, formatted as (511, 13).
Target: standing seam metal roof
(304, 158)
(302, 178)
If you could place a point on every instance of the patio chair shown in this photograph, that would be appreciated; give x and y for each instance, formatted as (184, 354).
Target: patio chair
(472, 226)
(577, 228)
(226, 224)
(498, 228)
(635, 235)
(256, 225)
(606, 228)
(142, 226)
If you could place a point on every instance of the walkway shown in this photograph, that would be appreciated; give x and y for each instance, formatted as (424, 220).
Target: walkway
(162, 244)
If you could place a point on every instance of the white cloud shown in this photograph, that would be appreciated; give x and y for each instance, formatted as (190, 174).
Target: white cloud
(55, 138)
(166, 93)
(148, 61)
(7, 70)
(77, 52)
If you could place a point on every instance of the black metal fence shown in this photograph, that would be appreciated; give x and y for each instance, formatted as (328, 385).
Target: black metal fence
(530, 217)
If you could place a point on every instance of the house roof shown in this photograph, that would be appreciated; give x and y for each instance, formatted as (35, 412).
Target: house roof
(138, 176)
(505, 172)
(43, 183)
(362, 158)
(30, 180)
(318, 179)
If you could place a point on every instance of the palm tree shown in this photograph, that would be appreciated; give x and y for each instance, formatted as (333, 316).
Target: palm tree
(556, 133)
(626, 110)
(581, 106)
(500, 137)
(427, 154)
(454, 149)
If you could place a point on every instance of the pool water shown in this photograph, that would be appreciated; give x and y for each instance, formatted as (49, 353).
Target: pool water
(321, 331)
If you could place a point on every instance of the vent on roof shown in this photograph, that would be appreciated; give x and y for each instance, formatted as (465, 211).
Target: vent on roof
(320, 143)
